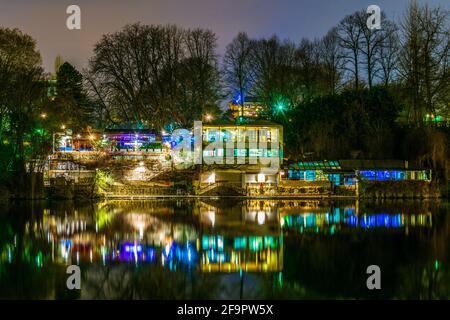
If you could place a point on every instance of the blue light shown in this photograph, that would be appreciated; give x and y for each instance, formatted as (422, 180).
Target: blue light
(382, 175)
(151, 254)
(132, 248)
(382, 220)
(352, 220)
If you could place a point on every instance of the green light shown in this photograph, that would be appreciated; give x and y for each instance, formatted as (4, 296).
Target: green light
(436, 264)
(39, 131)
(39, 259)
(280, 279)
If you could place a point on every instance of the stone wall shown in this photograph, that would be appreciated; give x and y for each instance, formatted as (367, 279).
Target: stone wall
(398, 189)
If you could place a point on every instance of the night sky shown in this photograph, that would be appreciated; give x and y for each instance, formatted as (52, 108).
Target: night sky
(45, 20)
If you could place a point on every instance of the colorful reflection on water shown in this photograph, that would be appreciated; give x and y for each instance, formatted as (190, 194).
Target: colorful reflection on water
(225, 249)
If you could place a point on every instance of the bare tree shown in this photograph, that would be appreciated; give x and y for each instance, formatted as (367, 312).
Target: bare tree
(237, 67)
(370, 42)
(199, 77)
(307, 58)
(274, 65)
(350, 34)
(330, 57)
(434, 24)
(388, 53)
(424, 59)
(154, 75)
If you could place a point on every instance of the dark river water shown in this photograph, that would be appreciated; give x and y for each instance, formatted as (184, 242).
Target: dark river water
(225, 249)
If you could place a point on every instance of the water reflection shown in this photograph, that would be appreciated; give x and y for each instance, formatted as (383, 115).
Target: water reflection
(224, 249)
(312, 216)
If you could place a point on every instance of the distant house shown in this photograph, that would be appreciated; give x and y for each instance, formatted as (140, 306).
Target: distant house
(236, 157)
(252, 107)
(124, 139)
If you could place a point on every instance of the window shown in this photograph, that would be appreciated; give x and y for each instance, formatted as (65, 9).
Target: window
(310, 175)
(208, 153)
(240, 243)
(256, 152)
(256, 243)
(218, 152)
(263, 135)
(213, 135)
(240, 152)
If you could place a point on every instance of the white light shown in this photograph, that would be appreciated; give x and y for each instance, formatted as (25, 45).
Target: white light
(261, 177)
(141, 229)
(261, 217)
(212, 217)
(211, 178)
(167, 249)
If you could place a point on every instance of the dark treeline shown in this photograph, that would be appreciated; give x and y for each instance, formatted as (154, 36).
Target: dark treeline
(151, 76)
(354, 93)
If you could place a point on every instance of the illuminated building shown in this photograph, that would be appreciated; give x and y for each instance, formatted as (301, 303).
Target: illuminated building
(250, 108)
(328, 176)
(132, 139)
(235, 158)
(240, 155)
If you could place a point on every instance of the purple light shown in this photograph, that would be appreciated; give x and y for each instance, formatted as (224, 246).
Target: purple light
(130, 248)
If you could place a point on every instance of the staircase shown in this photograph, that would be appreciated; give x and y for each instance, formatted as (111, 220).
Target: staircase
(222, 188)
